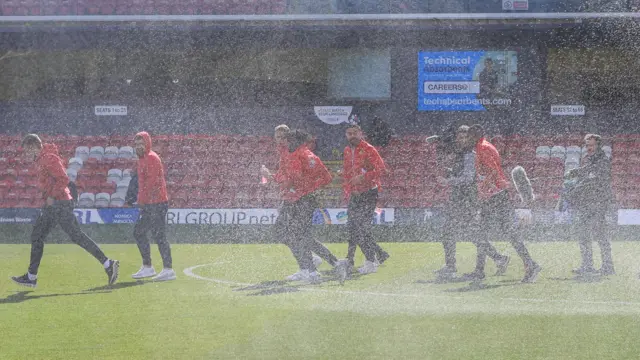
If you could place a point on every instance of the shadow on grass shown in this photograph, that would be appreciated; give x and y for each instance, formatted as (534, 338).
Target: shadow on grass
(23, 296)
(272, 287)
(477, 286)
(512, 281)
(116, 286)
(275, 287)
(587, 279)
(442, 280)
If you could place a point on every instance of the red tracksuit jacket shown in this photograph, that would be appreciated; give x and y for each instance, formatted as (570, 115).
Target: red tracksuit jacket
(305, 174)
(152, 188)
(491, 179)
(52, 177)
(361, 160)
(281, 176)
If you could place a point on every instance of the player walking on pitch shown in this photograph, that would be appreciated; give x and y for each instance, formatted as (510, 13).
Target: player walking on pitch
(306, 174)
(318, 250)
(58, 209)
(462, 206)
(496, 210)
(154, 204)
(362, 169)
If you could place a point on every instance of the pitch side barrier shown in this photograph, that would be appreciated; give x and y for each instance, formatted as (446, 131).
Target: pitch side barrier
(213, 217)
(115, 225)
(323, 216)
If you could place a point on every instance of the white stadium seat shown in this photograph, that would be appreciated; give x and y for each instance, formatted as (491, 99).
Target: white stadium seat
(96, 152)
(117, 200)
(75, 163)
(111, 153)
(571, 164)
(574, 154)
(114, 176)
(72, 174)
(122, 186)
(102, 200)
(126, 174)
(543, 152)
(82, 152)
(574, 150)
(126, 152)
(86, 200)
(558, 152)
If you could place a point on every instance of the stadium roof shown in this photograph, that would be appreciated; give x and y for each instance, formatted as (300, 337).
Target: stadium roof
(442, 20)
(318, 17)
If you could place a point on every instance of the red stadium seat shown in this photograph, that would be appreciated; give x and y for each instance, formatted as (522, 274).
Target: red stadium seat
(183, 9)
(9, 175)
(8, 10)
(33, 191)
(125, 163)
(279, 7)
(34, 7)
(108, 188)
(19, 186)
(25, 203)
(27, 172)
(67, 7)
(91, 164)
(85, 174)
(179, 203)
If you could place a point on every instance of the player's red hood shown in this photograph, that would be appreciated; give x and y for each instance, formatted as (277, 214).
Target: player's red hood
(147, 141)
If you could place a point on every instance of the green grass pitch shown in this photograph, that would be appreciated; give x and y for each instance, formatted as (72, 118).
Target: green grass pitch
(235, 306)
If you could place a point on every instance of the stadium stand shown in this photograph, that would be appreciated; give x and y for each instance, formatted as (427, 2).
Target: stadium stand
(230, 179)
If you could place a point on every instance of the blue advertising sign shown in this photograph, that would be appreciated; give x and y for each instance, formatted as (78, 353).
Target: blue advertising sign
(107, 216)
(465, 80)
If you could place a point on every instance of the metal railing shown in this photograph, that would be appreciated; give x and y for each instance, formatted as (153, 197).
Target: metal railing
(315, 7)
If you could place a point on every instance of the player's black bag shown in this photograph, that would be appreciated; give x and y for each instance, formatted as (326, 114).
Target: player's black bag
(74, 192)
(132, 192)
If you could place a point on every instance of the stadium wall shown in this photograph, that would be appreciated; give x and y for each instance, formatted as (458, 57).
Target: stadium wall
(236, 226)
(247, 88)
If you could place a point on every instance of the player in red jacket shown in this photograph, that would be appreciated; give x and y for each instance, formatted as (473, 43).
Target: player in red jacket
(496, 210)
(154, 204)
(318, 250)
(361, 173)
(58, 209)
(280, 136)
(304, 176)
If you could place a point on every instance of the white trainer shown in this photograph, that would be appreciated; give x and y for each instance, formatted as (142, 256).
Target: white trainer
(144, 272)
(299, 276)
(343, 270)
(314, 277)
(165, 275)
(368, 268)
(317, 260)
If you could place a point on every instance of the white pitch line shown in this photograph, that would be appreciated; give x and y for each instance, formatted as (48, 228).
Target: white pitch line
(189, 272)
